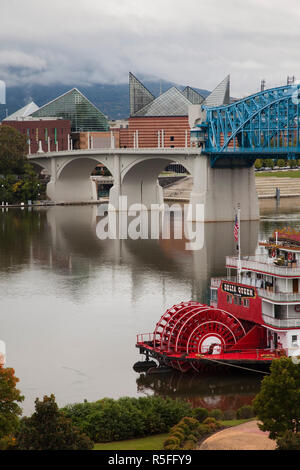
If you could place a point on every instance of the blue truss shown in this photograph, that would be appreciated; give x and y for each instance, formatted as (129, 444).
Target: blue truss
(263, 125)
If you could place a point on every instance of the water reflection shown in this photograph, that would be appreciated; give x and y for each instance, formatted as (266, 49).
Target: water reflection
(72, 304)
(228, 391)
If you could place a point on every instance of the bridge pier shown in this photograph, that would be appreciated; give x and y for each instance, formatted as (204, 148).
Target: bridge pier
(221, 189)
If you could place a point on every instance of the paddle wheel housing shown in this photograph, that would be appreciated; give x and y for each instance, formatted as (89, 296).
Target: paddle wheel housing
(191, 329)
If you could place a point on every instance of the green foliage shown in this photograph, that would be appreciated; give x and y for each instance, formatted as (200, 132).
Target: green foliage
(172, 443)
(112, 420)
(269, 163)
(49, 429)
(212, 424)
(9, 408)
(200, 414)
(277, 405)
(245, 412)
(187, 433)
(13, 150)
(281, 163)
(258, 164)
(292, 163)
(289, 441)
(217, 414)
(229, 415)
(17, 189)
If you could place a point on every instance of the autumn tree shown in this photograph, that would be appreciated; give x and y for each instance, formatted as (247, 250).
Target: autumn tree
(277, 405)
(13, 150)
(9, 398)
(49, 429)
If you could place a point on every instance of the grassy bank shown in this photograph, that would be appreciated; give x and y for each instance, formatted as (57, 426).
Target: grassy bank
(153, 442)
(278, 174)
(146, 443)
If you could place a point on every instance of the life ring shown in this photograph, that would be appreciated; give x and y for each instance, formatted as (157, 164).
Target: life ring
(290, 256)
(297, 308)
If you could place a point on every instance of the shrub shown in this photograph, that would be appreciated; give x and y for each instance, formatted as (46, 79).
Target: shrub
(189, 445)
(49, 429)
(172, 443)
(229, 415)
(202, 430)
(212, 424)
(245, 412)
(217, 414)
(258, 164)
(289, 441)
(200, 414)
(112, 420)
(179, 435)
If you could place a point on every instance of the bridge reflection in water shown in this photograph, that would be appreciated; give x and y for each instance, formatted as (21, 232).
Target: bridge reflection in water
(72, 297)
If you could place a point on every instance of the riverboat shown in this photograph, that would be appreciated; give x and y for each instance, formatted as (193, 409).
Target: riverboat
(253, 317)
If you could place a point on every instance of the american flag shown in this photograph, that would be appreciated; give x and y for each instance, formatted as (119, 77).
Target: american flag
(236, 229)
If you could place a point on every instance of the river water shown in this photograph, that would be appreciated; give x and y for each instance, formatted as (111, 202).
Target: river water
(71, 303)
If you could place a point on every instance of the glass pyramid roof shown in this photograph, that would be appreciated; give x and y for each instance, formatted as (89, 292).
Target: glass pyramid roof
(139, 95)
(192, 95)
(220, 95)
(23, 112)
(73, 105)
(170, 103)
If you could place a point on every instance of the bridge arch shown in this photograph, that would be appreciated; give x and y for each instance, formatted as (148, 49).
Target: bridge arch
(86, 162)
(265, 123)
(72, 181)
(40, 165)
(139, 179)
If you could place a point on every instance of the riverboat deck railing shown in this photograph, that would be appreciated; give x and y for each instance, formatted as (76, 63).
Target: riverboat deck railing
(279, 296)
(286, 323)
(145, 338)
(263, 264)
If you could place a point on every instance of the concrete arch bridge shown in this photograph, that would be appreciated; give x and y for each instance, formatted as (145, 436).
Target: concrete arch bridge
(135, 175)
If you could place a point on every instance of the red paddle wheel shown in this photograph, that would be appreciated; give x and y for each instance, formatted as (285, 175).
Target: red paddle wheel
(191, 328)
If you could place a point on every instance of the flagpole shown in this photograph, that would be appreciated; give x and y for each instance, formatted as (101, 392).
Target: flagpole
(239, 243)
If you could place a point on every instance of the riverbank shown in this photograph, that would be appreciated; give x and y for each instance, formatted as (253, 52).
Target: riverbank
(266, 186)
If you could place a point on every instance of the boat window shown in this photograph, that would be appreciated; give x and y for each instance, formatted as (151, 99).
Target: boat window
(237, 300)
(229, 299)
(246, 303)
(294, 338)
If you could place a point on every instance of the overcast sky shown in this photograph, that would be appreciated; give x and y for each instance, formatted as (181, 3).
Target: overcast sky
(190, 42)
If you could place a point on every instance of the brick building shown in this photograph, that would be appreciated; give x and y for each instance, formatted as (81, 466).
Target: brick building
(163, 121)
(52, 133)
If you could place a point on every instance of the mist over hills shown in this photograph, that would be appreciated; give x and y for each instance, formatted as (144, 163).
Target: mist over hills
(112, 100)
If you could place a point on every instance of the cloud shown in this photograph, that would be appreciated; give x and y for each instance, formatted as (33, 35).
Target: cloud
(195, 42)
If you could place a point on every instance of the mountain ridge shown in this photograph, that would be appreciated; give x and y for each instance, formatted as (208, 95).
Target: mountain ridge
(111, 99)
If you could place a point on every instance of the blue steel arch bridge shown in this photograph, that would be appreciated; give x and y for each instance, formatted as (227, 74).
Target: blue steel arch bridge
(263, 125)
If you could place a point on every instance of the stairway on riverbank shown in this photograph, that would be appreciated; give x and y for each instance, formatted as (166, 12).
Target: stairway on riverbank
(265, 186)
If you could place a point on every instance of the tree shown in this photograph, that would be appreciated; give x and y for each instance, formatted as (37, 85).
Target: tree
(289, 441)
(49, 429)
(258, 164)
(277, 405)
(13, 150)
(16, 189)
(9, 398)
